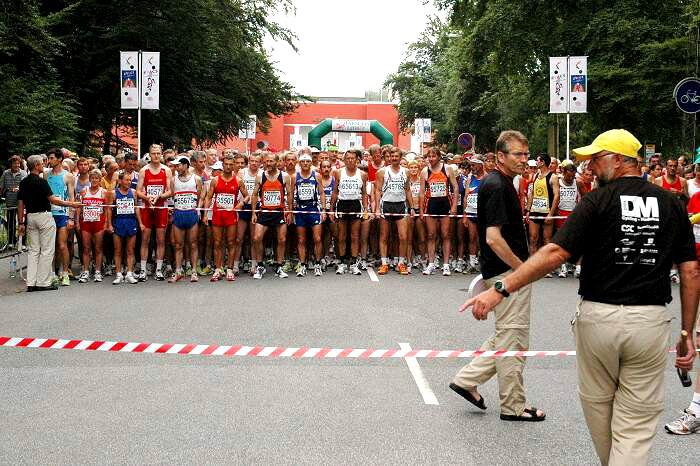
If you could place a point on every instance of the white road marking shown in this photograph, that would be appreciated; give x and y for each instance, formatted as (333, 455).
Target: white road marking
(372, 274)
(422, 383)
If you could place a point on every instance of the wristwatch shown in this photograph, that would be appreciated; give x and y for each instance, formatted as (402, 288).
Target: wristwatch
(500, 287)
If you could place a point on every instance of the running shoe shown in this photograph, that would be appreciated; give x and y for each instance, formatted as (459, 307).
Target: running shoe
(150, 267)
(409, 268)
(280, 273)
(548, 275)
(130, 278)
(318, 270)
(119, 279)
(176, 277)
(577, 271)
(65, 280)
(402, 269)
(430, 269)
(563, 272)
(159, 275)
(98, 276)
(355, 269)
(109, 270)
(236, 270)
(687, 424)
(324, 263)
(341, 269)
(459, 266)
(55, 281)
(216, 277)
(246, 266)
(287, 266)
(259, 272)
(383, 269)
(230, 276)
(142, 277)
(188, 269)
(206, 270)
(301, 270)
(362, 265)
(84, 276)
(674, 277)
(194, 277)
(446, 270)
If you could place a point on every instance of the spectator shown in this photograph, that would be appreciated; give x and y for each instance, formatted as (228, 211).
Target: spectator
(9, 187)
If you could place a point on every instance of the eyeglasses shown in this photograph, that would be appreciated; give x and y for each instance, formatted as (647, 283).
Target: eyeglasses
(600, 156)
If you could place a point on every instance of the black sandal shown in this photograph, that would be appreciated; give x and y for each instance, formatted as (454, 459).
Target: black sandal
(466, 394)
(533, 417)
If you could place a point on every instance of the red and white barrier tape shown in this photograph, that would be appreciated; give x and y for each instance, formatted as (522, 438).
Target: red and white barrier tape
(264, 351)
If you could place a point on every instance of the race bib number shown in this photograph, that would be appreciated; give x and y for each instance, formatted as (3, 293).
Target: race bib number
(185, 201)
(225, 201)
(472, 200)
(249, 184)
(396, 186)
(540, 204)
(438, 189)
(154, 190)
(415, 189)
(306, 192)
(125, 206)
(91, 213)
(272, 198)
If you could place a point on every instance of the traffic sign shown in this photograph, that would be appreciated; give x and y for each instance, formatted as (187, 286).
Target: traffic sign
(687, 95)
(466, 140)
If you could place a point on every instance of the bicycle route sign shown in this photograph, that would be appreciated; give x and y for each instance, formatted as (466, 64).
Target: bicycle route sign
(687, 95)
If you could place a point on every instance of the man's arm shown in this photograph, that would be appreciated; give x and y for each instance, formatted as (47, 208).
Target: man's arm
(554, 183)
(690, 277)
(499, 245)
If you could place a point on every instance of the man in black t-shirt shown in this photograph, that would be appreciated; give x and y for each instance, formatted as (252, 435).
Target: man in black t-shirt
(503, 244)
(628, 233)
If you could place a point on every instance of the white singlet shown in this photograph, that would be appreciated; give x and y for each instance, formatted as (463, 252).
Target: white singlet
(350, 187)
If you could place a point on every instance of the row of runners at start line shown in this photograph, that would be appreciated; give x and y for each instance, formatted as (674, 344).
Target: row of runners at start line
(194, 202)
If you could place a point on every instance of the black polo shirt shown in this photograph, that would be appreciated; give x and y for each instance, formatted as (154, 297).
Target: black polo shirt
(35, 192)
(628, 233)
(499, 205)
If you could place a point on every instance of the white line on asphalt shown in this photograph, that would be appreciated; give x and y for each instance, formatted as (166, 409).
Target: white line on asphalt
(372, 275)
(422, 383)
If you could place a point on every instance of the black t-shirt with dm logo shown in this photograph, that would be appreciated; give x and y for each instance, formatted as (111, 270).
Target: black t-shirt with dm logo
(628, 233)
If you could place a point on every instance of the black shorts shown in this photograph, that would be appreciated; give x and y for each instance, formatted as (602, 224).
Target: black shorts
(538, 218)
(398, 209)
(348, 209)
(438, 206)
(270, 219)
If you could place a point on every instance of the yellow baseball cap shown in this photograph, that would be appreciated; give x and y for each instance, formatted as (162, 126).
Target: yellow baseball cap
(618, 141)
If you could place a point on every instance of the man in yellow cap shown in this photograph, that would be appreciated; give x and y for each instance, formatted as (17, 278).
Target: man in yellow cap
(628, 233)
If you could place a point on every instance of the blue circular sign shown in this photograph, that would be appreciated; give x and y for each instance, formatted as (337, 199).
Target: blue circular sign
(466, 140)
(687, 95)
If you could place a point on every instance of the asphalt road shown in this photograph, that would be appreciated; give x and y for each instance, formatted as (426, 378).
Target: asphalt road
(77, 407)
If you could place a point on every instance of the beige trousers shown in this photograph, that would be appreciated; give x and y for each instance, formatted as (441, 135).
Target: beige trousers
(512, 333)
(621, 356)
(41, 233)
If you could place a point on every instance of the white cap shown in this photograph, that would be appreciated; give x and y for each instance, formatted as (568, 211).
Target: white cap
(531, 163)
(217, 165)
(314, 150)
(305, 157)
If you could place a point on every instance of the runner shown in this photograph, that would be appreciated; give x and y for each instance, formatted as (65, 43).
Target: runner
(438, 200)
(569, 196)
(153, 188)
(459, 229)
(126, 223)
(224, 190)
(308, 195)
(392, 192)
(187, 194)
(62, 185)
(330, 227)
(368, 229)
(93, 218)
(249, 174)
(471, 201)
(416, 226)
(290, 168)
(542, 204)
(678, 186)
(273, 189)
(350, 201)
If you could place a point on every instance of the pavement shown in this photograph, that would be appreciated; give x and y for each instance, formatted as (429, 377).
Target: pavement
(77, 407)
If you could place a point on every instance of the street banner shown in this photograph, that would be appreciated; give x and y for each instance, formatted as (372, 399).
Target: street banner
(578, 72)
(248, 132)
(351, 126)
(558, 85)
(128, 79)
(427, 130)
(649, 151)
(418, 128)
(150, 84)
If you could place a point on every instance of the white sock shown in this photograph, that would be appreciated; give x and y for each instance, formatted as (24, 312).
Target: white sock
(254, 264)
(472, 259)
(143, 266)
(578, 268)
(695, 404)
(385, 260)
(401, 260)
(159, 265)
(674, 271)
(236, 264)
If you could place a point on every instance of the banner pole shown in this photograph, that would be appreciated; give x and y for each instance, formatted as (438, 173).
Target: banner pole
(138, 130)
(568, 104)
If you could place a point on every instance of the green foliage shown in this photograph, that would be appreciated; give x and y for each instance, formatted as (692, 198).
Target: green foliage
(492, 60)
